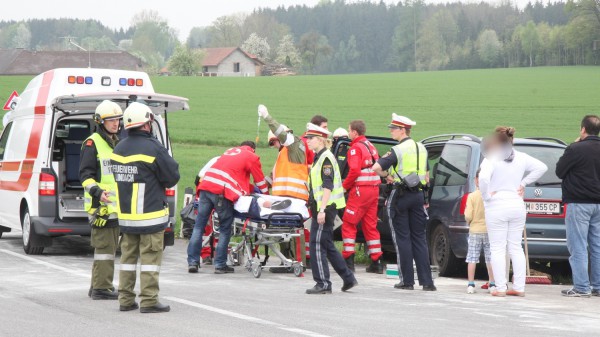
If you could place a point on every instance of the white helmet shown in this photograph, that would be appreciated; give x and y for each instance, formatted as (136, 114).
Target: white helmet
(340, 132)
(136, 115)
(271, 136)
(107, 110)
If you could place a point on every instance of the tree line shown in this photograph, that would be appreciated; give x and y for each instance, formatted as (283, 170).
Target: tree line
(341, 37)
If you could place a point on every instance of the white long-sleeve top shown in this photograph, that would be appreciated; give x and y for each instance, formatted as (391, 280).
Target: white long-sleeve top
(503, 179)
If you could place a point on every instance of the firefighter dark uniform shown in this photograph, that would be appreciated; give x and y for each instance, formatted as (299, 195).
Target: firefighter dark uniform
(143, 169)
(96, 177)
(406, 207)
(325, 175)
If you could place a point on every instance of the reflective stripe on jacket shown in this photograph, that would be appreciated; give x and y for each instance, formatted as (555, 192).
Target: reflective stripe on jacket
(103, 173)
(316, 182)
(361, 157)
(290, 179)
(406, 154)
(230, 174)
(143, 169)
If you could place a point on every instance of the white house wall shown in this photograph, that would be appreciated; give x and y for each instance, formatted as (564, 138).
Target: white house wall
(247, 66)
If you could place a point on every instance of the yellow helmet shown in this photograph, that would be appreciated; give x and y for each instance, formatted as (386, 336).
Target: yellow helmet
(107, 110)
(136, 115)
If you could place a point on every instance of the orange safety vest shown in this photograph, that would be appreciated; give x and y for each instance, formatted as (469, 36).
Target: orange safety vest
(290, 179)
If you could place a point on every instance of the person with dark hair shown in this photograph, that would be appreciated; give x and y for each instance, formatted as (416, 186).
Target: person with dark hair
(224, 183)
(320, 121)
(504, 175)
(362, 185)
(249, 144)
(579, 169)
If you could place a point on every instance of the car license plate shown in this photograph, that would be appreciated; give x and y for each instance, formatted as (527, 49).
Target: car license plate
(534, 207)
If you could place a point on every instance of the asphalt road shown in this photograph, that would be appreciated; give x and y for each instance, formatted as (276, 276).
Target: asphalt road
(47, 296)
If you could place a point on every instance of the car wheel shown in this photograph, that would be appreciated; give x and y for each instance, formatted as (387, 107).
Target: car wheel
(441, 252)
(29, 235)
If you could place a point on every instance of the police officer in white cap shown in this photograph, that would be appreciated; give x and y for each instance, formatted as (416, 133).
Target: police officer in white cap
(326, 198)
(405, 166)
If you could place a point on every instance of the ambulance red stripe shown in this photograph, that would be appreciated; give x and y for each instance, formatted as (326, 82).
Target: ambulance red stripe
(33, 146)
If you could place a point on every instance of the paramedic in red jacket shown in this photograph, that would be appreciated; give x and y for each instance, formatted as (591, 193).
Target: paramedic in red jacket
(362, 185)
(223, 184)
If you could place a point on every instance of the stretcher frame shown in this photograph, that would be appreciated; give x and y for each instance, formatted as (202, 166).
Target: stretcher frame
(277, 228)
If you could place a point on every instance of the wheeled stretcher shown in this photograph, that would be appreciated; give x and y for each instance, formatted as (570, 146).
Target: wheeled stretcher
(261, 226)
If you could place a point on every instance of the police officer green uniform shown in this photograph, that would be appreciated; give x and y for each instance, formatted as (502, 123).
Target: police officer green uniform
(326, 198)
(100, 198)
(143, 169)
(407, 165)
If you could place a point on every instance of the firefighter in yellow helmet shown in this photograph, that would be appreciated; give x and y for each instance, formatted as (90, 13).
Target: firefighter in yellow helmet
(143, 169)
(100, 198)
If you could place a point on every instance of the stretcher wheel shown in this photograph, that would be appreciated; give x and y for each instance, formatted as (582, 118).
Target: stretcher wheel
(298, 269)
(256, 270)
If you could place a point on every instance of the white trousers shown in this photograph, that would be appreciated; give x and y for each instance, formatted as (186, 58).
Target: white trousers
(505, 220)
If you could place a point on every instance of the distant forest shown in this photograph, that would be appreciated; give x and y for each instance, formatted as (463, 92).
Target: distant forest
(349, 37)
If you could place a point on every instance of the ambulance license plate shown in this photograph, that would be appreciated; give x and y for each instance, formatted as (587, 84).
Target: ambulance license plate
(534, 207)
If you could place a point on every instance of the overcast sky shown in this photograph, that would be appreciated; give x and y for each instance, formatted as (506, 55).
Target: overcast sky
(181, 14)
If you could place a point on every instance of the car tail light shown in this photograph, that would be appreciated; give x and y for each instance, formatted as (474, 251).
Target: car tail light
(169, 229)
(170, 192)
(47, 184)
(463, 203)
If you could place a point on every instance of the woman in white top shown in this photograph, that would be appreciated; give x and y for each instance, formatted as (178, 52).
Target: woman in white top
(504, 174)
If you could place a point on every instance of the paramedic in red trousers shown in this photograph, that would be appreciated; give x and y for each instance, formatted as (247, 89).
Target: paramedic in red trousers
(224, 183)
(290, 173)
(406, 166)
(362, 186)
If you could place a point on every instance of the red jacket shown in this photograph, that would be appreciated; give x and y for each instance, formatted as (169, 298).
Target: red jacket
(360, 161)
(310, 155)
(230, 174)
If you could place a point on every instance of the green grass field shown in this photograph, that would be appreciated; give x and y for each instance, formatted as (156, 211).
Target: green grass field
(537, 101)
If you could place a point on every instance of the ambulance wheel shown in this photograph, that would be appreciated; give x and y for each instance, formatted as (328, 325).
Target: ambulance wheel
(256, 270)
(29, 235)
(298, 270)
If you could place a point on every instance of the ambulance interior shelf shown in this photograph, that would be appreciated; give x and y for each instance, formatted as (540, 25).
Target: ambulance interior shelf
(69, 136)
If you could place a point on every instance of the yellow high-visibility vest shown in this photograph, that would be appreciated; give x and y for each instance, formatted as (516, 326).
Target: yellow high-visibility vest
(316, 182)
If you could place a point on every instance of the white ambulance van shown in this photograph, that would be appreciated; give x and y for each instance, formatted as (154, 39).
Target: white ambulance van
(40, 147)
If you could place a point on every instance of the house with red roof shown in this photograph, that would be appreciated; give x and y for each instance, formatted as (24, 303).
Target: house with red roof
(230, 62)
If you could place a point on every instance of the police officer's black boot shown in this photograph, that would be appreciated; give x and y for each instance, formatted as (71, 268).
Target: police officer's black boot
(376, 267)
(350, 262)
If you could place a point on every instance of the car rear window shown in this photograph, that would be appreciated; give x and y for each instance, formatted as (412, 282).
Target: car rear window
(548, 155)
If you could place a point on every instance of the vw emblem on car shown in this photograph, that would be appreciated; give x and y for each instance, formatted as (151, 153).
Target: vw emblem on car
(537, 192)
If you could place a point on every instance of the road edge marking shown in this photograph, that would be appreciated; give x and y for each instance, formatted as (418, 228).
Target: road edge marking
(245, 317)
(47, 264)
